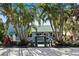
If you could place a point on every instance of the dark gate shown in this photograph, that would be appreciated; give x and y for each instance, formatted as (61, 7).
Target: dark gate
(41, 40)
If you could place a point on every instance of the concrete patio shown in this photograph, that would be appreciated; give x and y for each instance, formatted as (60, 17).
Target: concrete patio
(39, 51)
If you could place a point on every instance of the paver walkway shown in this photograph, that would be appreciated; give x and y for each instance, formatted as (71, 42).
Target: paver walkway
(39, 51)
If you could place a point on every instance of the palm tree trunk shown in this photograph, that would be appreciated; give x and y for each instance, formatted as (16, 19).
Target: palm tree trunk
(61, 24)
(51, 25)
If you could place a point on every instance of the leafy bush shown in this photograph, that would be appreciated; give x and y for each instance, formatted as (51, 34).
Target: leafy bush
(25, 43)
(1, 31)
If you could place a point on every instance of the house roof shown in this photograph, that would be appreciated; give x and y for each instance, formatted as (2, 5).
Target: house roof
(43, 29)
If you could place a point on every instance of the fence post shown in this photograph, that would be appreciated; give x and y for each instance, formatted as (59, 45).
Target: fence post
(36, 41)
(45, 41)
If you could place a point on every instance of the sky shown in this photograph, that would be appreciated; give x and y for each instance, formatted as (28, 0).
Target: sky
(3, 18)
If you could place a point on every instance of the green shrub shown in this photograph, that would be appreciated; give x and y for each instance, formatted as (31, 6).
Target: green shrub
(25, 43)
(1, 31)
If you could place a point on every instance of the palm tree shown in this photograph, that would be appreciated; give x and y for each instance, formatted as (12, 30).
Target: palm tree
(20, 16)
(57, 14)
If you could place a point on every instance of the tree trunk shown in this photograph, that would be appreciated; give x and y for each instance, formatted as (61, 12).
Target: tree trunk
(61, 24)
(51, 25)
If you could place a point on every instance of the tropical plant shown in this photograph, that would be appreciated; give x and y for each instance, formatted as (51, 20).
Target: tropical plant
(1, 31)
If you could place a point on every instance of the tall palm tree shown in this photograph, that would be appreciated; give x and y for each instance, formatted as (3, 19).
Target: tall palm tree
(57, 14)
(19, 15)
